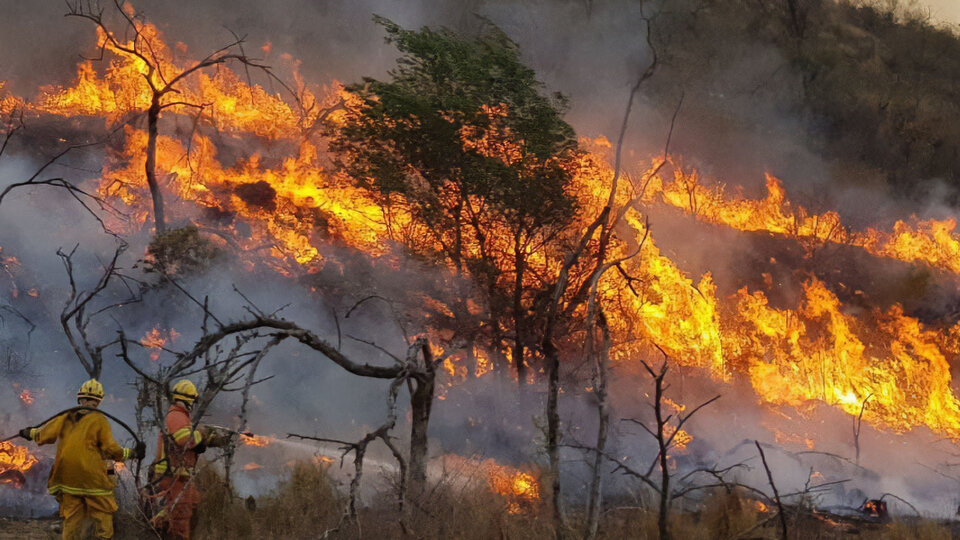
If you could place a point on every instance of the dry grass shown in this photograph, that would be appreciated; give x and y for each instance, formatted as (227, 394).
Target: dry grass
(461, 507)
(301, 507)
(919, 530)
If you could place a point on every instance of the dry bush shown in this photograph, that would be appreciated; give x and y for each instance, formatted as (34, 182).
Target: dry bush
(302, 506)
(729, 515)
(180, 252)
(458, 507)
(220, 514)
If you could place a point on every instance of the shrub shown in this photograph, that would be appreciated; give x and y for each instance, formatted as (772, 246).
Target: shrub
(180, 252)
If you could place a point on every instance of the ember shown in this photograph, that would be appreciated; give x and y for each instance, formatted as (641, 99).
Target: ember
(13, 477)
(875, 508)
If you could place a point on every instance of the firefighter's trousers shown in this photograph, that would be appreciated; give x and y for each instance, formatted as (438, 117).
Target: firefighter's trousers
(76, 509)
(180, 500)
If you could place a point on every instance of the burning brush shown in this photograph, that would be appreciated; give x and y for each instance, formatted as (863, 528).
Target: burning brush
(14, 462)
(218, 436)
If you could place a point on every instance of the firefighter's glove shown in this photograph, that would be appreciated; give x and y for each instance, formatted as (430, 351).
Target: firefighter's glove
(200, 448)
(140, 450)
(25, 433)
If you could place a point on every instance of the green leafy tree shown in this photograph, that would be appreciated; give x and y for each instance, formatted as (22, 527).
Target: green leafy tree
(480, 156)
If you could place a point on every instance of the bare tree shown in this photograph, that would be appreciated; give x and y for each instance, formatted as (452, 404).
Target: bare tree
(230, 352)
(11, 126)
(665, 435)
(665, 428)
(82, 306)
(382, 433)
(163, 80)
(604, 227)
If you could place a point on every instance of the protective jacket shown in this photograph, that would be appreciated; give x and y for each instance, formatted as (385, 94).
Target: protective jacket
(176, 446)
(176, 460)
(85, 440)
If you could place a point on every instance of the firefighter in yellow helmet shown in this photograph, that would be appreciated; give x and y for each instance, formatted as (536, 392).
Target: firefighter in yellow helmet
(177, 450)
(79, 477)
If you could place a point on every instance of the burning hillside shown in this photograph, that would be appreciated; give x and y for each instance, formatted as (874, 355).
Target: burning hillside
(811, 352)
(463, 237)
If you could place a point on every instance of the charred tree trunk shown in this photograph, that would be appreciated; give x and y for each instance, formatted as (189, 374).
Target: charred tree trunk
(153, 116)
(519, 264)
(594, 501)
(421, 401)
(553, 429)
(663, 514)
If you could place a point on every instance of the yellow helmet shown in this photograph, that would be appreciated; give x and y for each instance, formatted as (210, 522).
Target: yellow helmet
(91, 389)
(184, 390)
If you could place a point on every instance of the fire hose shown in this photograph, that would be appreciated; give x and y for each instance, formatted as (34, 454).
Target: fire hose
(122, 424)
(82, 408)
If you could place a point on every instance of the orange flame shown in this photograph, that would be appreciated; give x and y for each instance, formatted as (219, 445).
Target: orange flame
(157, 339)
(255, 440)
(520, 489)
(26, 396)
(14, 462)
(932, 242)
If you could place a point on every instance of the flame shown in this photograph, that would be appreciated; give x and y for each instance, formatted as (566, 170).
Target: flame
(680, 438)
(932, 242)
(9, 104)
(26, 396)
(520, 489)
(14, 462)
(157, 339)
(255, 440)
(252, 466)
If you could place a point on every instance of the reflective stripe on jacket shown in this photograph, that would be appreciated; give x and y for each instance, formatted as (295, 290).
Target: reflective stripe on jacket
(175, 446)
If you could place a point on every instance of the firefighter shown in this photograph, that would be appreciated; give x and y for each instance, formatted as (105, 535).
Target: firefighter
(79, 478)
(177, 450)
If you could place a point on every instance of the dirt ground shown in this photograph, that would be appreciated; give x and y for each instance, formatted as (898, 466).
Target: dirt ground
(29, 529)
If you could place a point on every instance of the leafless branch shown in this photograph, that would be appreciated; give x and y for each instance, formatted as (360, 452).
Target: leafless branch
(776, 494)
